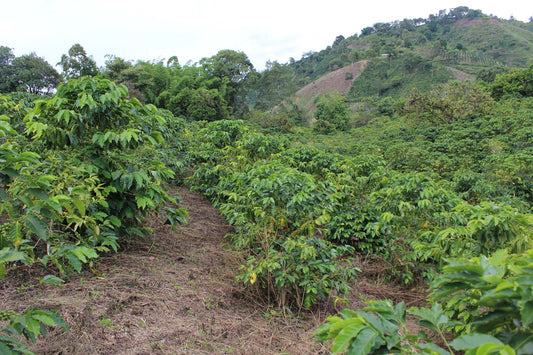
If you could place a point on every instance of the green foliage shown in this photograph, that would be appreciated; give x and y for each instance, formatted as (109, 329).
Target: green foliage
(6, 70)
(296, 271)
(209, 90)
(486, 157)
(498, 319)
(496, 290)
(231, 67)
(332, 109)
(35, 75)
(265, 192)
(516, 83)
(77, 63)
(449, 103)
(479, 229)
(30, 324)
(272, 86)
(199, 104)
(116, 140)
(396, 76)
(94, 180)
(278, 211)
(415, 52)
(73, 204)
(27, 73)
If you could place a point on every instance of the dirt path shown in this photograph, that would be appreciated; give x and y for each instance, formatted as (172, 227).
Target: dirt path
(174, 294)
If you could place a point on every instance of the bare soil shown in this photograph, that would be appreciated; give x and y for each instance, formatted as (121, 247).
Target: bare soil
(174, 293)
(333, 81)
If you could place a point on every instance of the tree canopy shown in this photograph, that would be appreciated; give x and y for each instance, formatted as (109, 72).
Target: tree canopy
(27, 73)
(77, 63)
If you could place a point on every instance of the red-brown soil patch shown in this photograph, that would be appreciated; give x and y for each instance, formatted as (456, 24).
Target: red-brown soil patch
(334, 81)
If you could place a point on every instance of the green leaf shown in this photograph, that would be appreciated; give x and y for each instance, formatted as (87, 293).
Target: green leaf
(527, 313)
(115, 221)
(522, 341)
(33, 327)
(38, 193)
(4, 349)
(433, 349)
(470, 341)
(8, 255)
(14, 234)
(363, 343)
(3, 194)
(79, 205)
(74, 261)
(38, 227)
(83, 253)
(52, 280)
(430, 318)
(45, 319)
(342, 340)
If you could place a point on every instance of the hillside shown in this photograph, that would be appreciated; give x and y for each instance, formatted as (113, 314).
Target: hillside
(338, 80)
(457, 44)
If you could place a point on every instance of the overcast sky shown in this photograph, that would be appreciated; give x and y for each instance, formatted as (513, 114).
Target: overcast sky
(158, 29)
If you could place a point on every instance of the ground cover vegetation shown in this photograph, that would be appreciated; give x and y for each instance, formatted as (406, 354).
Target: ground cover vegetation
(430, 175)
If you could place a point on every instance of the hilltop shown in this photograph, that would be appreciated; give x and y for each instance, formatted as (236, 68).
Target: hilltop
(459, 44)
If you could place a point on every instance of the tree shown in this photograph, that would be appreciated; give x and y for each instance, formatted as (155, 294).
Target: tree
(232, 67)
(338, 40)
(274, 85)
(34, 74)
(115, 138)
(26, 73)
(333, 108)
(517, 82)
(114, 66)
(449, 103)
(367, 31)
(199, 104)
(6, 69)
(489, 74)
(76, 63)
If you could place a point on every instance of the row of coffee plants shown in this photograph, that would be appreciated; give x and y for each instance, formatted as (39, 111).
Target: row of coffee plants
(77, 182)
(277, 211)
(286, 199)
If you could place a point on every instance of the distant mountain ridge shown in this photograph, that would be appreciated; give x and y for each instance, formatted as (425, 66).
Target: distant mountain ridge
(455, 44)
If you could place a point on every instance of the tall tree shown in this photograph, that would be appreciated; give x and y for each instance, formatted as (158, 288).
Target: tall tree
(232, 67)
(274, 85)
(34, 74)
(114, 66)
(6, 69)
(77, 63)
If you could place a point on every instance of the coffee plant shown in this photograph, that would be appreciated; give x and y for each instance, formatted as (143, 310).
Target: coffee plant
(115, 138)
(95, 179)
(279, 212)
(487, 305)
(31, 324)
